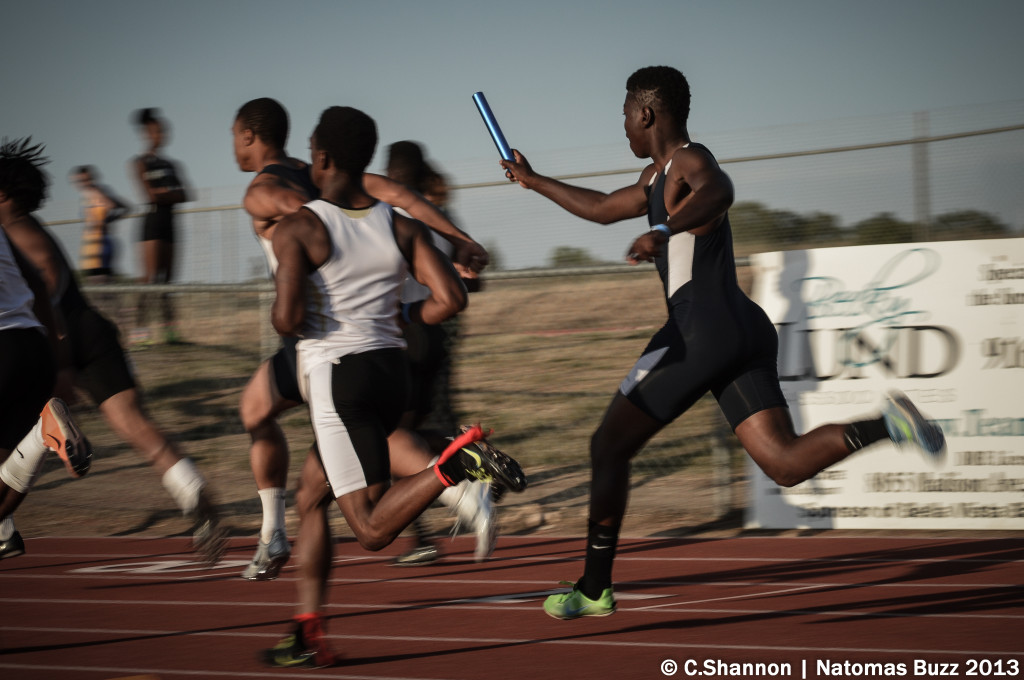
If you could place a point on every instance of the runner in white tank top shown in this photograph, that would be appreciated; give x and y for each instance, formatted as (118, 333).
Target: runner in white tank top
(31, 422)
(16, 298)
(355, 303)
(281, 186)
(341, 262)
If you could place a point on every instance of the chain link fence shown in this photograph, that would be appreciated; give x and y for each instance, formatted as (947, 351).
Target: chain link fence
(560, 322)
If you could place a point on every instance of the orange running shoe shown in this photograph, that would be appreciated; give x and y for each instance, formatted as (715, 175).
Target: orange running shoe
(60, 434)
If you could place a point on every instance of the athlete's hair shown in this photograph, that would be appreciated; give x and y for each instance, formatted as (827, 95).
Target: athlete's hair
(267, 119)
(349, 137)
(406, 164)
(143, 117)
(21, 176)
(664, 87)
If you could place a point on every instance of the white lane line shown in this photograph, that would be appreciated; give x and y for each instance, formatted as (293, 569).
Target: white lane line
(577, 555)
(453, 605)
(157, 575)
(288, 673)
(515, 598)
(537, 641)
(744, 596)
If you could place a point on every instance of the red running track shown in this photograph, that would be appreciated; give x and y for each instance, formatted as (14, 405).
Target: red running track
(807, 607)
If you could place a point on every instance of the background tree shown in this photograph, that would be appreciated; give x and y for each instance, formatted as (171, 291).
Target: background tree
(568, 256)
(968, 224)
(883, 228)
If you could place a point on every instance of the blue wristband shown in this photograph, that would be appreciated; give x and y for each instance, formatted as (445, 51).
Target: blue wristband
(663, 228)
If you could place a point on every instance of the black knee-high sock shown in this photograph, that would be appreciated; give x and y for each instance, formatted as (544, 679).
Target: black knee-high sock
(597, 572)
(864, 432)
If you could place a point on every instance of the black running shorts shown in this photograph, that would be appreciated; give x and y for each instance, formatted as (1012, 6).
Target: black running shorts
(284, 372)
(427, 349)
(100, 363)
(355, 403)
(739, 369)
(27, 377)
(158, 225)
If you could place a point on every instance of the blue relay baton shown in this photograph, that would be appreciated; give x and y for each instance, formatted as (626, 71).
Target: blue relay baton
(492, 126)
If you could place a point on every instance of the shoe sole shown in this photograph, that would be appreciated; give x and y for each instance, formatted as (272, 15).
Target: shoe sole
(270, 571)
(427, 558)
(579, 616)
(68, 441)
(13, 552)
(503, 468)
(272, 661)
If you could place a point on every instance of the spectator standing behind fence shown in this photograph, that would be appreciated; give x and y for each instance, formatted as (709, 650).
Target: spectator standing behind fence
(100, 208)
(161, 182)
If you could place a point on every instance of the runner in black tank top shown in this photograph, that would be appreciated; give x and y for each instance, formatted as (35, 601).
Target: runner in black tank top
(715, 338)
(299, 177)
(282, 185)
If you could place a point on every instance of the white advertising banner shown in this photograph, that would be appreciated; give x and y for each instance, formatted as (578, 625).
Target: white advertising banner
(944, 323)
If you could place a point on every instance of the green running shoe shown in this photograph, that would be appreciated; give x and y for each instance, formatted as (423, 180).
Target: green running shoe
(574, 604)
(304, 648)
(289, 653)
(906, 425)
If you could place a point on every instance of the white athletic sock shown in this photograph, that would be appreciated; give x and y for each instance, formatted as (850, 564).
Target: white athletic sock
(21, 468)
(33, 444)
(184, 482)
(7, 528)
(273, 511)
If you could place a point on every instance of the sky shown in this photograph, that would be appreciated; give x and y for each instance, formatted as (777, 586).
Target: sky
(553, 71)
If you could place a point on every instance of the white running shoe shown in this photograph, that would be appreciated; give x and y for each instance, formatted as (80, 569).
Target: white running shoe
(269, 558)
(475, 510)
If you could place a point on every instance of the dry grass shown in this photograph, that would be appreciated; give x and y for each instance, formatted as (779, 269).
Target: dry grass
(538, 360)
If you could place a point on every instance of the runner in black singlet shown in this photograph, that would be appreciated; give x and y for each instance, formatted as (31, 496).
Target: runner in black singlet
(283, 362)
(715, 339)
